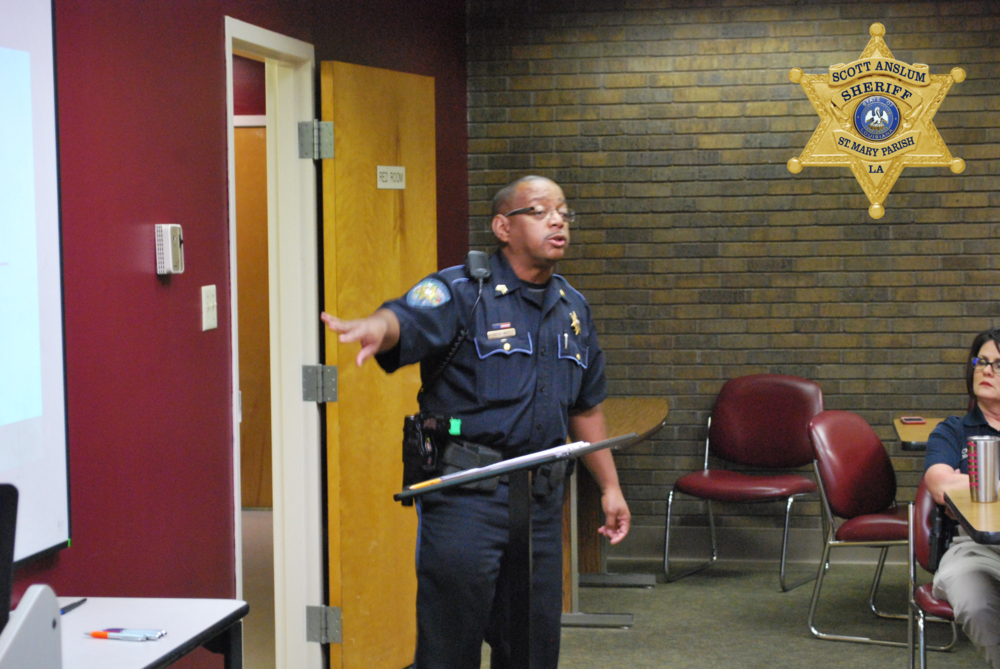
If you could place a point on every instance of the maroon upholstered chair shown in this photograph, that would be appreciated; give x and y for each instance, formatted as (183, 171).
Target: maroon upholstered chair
(758, 422)
(858, 484)
(923, 605)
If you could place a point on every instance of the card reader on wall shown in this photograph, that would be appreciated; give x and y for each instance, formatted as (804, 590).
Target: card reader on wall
(169, 249)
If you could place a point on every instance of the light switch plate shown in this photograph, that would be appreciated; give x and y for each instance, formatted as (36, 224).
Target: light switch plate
(209, 309)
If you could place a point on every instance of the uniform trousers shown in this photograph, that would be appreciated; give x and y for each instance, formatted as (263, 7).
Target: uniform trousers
(969, 578)
(463, 587)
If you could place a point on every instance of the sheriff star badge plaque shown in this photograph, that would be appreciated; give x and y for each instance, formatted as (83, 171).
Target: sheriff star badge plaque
(877, 116)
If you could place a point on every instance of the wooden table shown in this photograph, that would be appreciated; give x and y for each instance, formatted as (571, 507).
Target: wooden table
(623, 415)
(584, 557)
(914, 437)
(980, 520)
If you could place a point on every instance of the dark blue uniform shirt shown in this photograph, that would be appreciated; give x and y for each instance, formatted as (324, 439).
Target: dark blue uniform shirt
(948, 443)
(530, 360)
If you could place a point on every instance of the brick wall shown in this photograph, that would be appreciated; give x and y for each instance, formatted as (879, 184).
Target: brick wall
(669, 125)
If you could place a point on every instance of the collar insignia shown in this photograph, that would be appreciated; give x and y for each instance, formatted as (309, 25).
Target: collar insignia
(501, 288)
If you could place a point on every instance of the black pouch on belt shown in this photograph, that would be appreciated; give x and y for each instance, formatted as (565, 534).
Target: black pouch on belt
(461, 455)
(424, 437)
(547, 478)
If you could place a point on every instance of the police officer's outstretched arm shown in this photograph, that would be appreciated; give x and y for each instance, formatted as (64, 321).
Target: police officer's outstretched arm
(589, 426)
(377, 333)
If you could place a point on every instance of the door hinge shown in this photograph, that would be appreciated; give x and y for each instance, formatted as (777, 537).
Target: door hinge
(319, 383)
(323, 624)
(316, 139)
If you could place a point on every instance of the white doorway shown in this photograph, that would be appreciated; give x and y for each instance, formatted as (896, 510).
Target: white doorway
(294, 336)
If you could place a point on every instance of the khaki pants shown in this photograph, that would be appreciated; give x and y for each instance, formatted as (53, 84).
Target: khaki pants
(969, 578)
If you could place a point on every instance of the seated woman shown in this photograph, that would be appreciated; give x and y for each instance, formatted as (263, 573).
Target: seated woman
(969, 573)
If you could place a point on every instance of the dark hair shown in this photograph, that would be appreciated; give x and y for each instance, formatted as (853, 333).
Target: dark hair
(993, 335)
(501, 201)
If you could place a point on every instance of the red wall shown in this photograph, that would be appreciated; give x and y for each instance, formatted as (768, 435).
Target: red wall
(249, 87)
(142, 130)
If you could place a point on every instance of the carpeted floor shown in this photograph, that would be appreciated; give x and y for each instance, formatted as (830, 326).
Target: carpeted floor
(734, 615)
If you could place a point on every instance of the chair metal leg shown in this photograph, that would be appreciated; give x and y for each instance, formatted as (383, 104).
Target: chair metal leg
(924, 619)
(820, 573)
(785, 587)
(911, 612)
(923, 640)
(815, 601)
(874, 589)
(917, 635)
(666, 543)
(954, 633)
(920, 619)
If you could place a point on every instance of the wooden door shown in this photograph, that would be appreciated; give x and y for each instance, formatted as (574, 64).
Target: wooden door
(377, 244)
(250, 151)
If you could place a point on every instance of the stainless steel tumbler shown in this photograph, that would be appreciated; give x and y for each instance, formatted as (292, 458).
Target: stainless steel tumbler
(984, 468)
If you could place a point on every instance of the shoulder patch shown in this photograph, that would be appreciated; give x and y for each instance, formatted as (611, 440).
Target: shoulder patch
(428, 294)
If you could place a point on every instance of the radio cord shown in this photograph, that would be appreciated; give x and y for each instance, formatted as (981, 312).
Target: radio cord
(455, 345)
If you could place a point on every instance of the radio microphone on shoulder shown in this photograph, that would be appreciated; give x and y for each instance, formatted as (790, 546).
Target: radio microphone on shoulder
(477, 264)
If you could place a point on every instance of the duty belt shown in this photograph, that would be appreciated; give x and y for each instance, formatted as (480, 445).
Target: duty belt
(460, 455)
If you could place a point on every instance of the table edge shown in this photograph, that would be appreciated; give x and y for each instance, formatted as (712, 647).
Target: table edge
(203, 637)
(979, 536)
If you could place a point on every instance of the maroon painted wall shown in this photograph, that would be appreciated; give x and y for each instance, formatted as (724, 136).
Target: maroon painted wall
(249, 87)
(142, 130)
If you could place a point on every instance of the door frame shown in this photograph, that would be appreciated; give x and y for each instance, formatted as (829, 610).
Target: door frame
(294, 333)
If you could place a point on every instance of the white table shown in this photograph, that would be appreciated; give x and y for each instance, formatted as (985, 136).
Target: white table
(190, 623)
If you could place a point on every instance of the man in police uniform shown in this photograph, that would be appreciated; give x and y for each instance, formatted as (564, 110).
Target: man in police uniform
(529, 373)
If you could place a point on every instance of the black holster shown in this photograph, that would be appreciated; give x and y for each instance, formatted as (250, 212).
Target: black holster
(943, 529)
(424, 438)
(461, 455)
(546, 479)
(430, 451)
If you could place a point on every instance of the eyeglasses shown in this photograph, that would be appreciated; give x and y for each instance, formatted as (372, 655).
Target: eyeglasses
(540, 214)
(982, 363)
